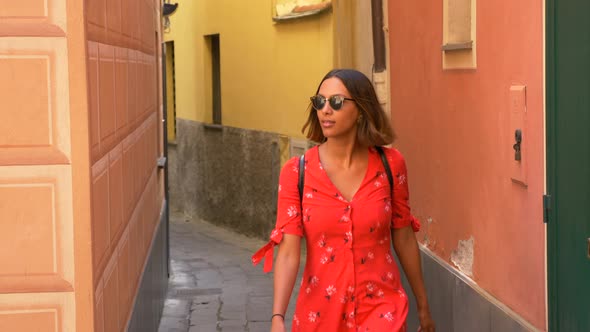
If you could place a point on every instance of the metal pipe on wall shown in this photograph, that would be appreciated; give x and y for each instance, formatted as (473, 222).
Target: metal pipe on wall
(378, 36)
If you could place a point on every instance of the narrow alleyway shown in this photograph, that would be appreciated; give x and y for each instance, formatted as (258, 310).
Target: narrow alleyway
(213, 285)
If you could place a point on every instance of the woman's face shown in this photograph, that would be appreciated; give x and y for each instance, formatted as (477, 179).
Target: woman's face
(340, 123)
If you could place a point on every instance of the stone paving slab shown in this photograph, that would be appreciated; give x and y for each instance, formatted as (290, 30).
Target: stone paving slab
(213, 286)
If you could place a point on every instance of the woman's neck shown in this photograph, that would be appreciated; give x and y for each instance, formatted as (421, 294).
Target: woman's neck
(343, 152)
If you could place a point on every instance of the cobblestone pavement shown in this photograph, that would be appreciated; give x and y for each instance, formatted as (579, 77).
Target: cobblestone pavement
(213, 285)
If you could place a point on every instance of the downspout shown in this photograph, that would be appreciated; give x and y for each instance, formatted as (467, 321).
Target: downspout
(380, 74)
(378, 36)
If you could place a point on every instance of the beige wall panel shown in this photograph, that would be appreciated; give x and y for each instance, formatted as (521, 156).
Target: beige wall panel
(128, 10)
(111, 297)
(363, 38)
(459, 21)
(107, 292)
(36, 244)
(121, 85)
(28, 233)
(128, 179)
(106, 93)
(130, 173)
(43, 18)
(150, 214)
(116, 193)
(131, 88)
(135, 258)
(25, 102)
(99, 311)
(96, 20)
(93, 99)
(124, 278)
(23, 8)
(100, 215)
(113, 17)
(37, 312)
(46, 319)
(34, 102)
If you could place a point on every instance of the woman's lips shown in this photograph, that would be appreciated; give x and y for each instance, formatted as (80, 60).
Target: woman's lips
(327, 123)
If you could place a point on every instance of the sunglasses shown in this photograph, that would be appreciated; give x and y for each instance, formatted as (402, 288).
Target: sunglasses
(318, 102)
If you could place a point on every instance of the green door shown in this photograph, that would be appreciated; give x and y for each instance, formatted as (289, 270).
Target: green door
(568, 163)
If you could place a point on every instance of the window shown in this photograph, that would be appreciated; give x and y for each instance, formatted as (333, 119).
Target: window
(215, 70)
(170, 91)
(459, 34)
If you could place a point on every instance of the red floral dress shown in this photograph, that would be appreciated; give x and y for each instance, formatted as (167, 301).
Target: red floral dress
(351, 281)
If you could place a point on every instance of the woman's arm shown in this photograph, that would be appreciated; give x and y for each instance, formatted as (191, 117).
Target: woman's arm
(285, 273)
(404, 240)
(406, 248)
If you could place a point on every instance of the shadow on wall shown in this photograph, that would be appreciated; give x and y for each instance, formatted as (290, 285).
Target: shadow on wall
(226, 176)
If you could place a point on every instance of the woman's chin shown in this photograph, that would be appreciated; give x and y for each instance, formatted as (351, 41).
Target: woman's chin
(327, 132)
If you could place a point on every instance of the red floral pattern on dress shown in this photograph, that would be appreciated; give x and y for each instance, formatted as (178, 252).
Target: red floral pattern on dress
(351, 281)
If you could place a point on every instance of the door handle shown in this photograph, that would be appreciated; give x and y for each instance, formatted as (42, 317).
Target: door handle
(162, 161)
(588, 248)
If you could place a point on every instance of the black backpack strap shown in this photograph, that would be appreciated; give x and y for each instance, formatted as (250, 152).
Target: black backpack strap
(301, 177)
(386, 165)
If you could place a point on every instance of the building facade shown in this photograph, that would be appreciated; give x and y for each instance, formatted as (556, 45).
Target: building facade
(474, 91)
(481, 96)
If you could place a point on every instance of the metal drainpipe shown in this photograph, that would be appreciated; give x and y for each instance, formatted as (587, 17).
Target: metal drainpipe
(378, 36)
(379, 72)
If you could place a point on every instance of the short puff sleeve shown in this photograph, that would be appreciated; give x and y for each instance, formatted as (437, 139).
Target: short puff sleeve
(401, 215)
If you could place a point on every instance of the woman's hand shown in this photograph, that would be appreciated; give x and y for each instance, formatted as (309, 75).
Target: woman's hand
(286, 267)
(278, 324)
(426, 322)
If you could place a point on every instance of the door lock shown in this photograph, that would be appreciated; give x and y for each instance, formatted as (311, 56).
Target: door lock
(516, 146)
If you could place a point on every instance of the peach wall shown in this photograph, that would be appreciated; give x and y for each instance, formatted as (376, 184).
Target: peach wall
(84, 297)
(455, 129)
(123, 75)
(80, 195)
(38, 154)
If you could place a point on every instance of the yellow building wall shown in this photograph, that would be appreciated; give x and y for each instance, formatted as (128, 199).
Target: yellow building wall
(268, 70)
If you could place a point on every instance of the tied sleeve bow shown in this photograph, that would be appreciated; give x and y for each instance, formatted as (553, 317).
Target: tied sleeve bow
(267, 251)
(415, 224)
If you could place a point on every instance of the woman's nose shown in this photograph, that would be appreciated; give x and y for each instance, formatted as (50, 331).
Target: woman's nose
(327, 109)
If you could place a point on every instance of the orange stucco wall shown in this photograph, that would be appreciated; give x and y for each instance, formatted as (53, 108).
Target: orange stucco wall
(80, 194)
(456, 129)
(123, 76)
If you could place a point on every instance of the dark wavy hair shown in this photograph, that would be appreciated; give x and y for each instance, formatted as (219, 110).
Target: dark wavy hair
(374, 127)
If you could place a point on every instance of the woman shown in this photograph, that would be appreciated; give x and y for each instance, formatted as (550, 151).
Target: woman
(348, 215)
